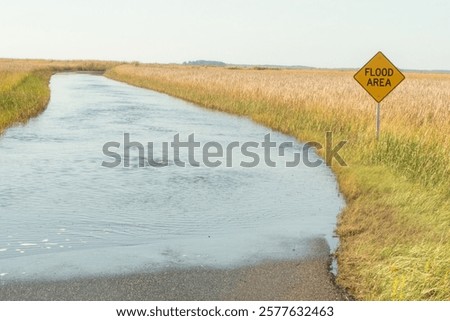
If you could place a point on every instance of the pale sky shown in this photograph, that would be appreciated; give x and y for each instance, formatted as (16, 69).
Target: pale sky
(319, 33)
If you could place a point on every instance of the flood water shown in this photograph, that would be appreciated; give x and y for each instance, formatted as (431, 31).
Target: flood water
(65, 215)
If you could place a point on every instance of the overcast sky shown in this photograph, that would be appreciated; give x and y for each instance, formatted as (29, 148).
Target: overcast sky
(413, 34)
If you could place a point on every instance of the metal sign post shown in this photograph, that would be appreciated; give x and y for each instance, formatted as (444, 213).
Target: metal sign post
(379, 77)
(378, 121)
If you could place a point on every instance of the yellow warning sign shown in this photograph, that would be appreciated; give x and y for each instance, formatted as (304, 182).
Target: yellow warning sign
(379, 77)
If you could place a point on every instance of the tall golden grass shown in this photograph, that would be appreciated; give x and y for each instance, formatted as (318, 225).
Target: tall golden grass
(395, 229)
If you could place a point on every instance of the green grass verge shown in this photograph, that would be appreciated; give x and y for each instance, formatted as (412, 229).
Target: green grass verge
(26, 99)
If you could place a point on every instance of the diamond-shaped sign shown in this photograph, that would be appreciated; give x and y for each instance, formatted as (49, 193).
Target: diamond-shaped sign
(379, 77)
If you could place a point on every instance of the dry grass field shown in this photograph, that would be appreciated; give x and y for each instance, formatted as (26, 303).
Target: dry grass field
(395, 229)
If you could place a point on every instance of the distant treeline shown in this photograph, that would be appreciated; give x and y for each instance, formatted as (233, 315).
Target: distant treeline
(215, 63)
(205, 63)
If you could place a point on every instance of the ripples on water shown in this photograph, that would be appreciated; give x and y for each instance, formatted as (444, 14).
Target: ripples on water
(64, 215)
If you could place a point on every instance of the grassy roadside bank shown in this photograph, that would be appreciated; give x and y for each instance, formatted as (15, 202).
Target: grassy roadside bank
(394, 232)
(24, 91)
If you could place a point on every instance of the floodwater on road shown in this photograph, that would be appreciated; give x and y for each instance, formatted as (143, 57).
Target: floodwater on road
(65, 215)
